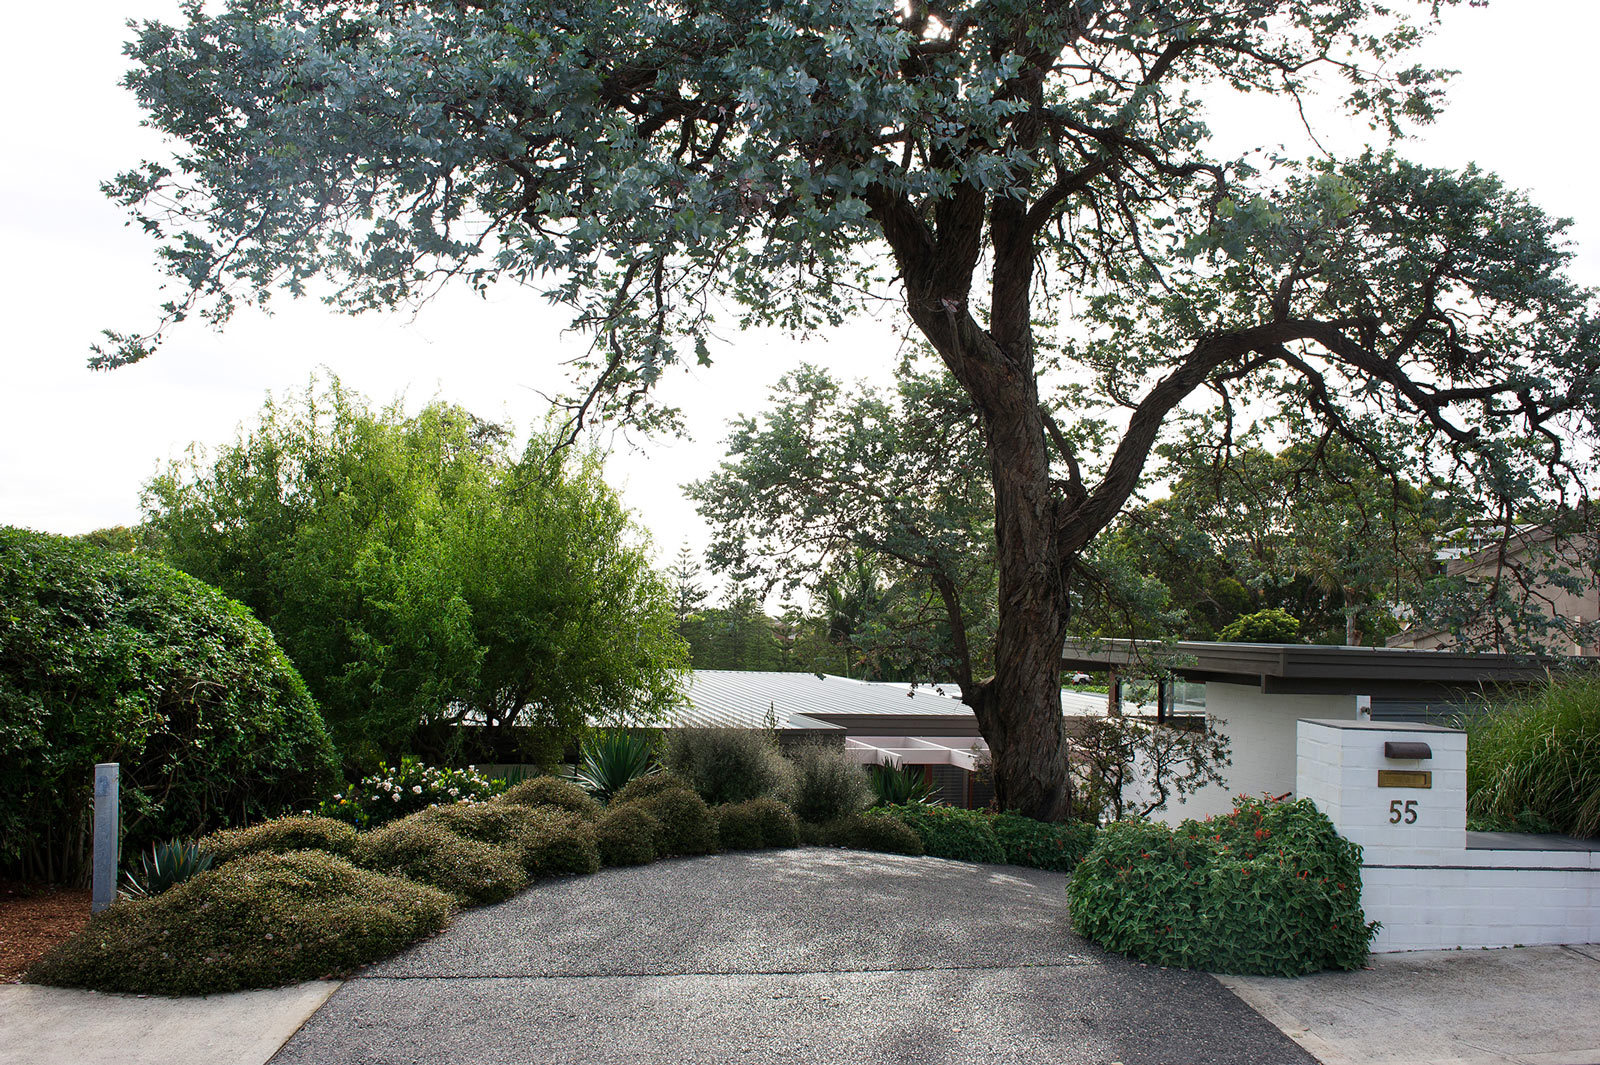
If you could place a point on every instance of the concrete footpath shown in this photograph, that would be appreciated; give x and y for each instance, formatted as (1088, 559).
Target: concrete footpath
(60, 1026)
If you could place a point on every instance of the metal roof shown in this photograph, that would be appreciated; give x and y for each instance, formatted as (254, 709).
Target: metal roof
(726, 698)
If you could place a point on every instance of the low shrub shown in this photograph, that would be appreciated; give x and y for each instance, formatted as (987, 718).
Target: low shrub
(472, 872)
(728, 765)
(553, 791)
(264, 920)
(687, 826)
(648, 787)
(754, 824)
(874, 831)
(950, 832)
(281, 835)
(828, 785)
(497, 824)
(1535, 761)
(400, 791)
(559, 843)
(626, 835)
(1271, 889)
(1042, 845)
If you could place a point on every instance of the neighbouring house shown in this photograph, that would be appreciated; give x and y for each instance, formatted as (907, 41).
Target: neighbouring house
(1258, 692)
(1547, 577)
(923, 725)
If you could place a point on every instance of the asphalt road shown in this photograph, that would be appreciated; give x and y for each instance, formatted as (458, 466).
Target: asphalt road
(816, 956)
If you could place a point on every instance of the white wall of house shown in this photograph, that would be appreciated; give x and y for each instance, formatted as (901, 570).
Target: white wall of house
(1261, 731)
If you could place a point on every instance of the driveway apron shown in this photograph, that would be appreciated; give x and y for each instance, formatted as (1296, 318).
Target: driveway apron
(808, 955)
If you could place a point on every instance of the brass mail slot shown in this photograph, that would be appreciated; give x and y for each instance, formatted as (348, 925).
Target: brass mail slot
(1405, 778)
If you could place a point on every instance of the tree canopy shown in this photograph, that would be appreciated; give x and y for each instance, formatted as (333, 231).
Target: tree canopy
(991, 166)
(417, 570)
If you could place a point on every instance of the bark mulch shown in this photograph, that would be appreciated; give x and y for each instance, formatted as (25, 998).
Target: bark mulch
(34, 918)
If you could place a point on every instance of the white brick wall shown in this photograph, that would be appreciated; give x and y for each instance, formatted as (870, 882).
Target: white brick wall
(1418, 877)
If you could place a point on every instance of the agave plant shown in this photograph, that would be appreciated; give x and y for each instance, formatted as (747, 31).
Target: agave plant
(167, 864)
(900, 786)
(609, 759)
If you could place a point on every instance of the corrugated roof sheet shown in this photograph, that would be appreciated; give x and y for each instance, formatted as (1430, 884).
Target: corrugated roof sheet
(722, 698)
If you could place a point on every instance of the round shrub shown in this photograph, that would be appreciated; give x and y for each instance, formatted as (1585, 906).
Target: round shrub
(472, 872)
(948, 832)
(626, 835)
(828, 785)
(279, 836)
(119, 658)
(264, 920)
(1271, 889)
(1042, 845)
(876, 832)
(559, 842)
(553, 791)
(779, 826)
(649, 787)
(754, 824)
(1535, 762)
(728, 765)
(686, 823)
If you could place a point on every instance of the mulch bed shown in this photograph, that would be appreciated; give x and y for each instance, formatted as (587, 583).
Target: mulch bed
(34, 918)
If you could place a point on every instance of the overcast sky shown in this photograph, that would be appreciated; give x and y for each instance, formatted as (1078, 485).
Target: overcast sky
(76, 446)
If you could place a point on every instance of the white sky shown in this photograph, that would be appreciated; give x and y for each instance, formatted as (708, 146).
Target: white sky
(76, 446)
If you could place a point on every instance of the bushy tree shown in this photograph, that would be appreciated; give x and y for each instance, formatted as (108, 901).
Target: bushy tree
(988, 166)
(416, 569)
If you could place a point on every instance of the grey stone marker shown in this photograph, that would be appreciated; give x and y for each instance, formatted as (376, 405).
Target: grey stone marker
(107, 829)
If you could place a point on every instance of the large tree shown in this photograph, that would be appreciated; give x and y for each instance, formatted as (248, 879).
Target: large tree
(988, 164)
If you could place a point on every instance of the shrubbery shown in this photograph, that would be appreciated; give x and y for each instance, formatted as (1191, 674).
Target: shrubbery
(1272, 889)
(262, 921)
(1042, 845)
(626, 835)
(281, 835)
(728, 765)
(949, 832)
(119, 658)
(828, 785)
(686, 823)
(1534, 764)
(400, 791)
(559, 843)
(755, 824)
(648, 787)
(473, 873)
(553, 791)
(871, 831)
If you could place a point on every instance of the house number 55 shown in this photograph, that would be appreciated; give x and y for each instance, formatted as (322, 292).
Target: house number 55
(1406, 812)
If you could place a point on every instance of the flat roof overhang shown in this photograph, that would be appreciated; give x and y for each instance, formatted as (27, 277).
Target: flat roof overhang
(1317, 669)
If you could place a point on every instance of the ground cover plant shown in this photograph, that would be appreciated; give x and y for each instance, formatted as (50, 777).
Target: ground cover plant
(281, 835)
(471, 872)
(1270, 889)
(1533, 763)
(119, 658)
(260, 921)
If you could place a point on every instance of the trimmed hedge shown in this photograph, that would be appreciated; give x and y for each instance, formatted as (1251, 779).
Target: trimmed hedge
(1271, 889)
(1042, 845)
(626, 835)
(755, 824)
(472, 872)
(687, 826)
(553, 791)
(280, 836)
(560, 843)
(264, 920)
(949, 832)
(728, 765)
(119, 658)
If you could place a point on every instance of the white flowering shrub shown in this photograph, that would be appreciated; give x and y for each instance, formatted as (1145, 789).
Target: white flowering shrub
(393, 792)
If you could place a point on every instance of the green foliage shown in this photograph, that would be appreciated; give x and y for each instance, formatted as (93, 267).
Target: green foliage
(281, 835)
(687, 826)
(262, 921)
(828, 784)
(497, 824)
(609, 759)
(418, 570)
(626, 835)
(1264, 626)
(119, 658)
(649, 787)
(560, 843)
(951, 832)
(473, 873)
(1536, 760)
(756, 823)
(1112, 754)
(728, 765)
(875, 831)
(1271, 889)
(553, 791)
(1058, 845)
(894, 785)
(391, 793)
(164, 865)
